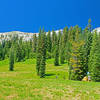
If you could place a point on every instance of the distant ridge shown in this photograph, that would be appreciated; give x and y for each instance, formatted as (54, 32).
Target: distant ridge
(25, 35)
(97, 30)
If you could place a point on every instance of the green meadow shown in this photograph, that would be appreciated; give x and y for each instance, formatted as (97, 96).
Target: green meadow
(24, 84)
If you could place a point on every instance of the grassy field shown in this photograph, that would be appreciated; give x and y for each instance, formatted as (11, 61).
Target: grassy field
(24, 84)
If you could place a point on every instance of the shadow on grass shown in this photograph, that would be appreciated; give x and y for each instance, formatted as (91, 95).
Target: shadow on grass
(61, 64)
(49, 74)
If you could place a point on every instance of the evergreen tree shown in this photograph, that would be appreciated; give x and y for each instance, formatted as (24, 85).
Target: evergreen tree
(89, 25)
(11, 59)
(18, 53)
(54, 40)
(28, 50)
(62, 56)
(69, 44)
(49, 45)
(56, 62)
(38, 59)
(76, 69)
(59, 37)
(94, 59)
(1, 50)
(34, 43)
(42, 68)
(63, 45)
(87, 44)
(65, 36)
(41, 54)
(95, 72)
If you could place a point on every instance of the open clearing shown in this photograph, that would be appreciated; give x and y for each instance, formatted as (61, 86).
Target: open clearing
(24, 84)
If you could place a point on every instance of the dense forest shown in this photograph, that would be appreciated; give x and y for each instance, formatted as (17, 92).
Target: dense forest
(78, 47)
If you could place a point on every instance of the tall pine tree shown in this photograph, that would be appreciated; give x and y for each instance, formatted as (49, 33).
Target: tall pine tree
(49, 45)
(41, 54)
(94, 59)
(56, 62)
(11, 59)
(76, 68)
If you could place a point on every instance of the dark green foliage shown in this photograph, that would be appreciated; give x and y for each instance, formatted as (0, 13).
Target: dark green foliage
(62, 55)
(11, 59)
(63, 45)
(38, 59)
(54, 40)
(49, 45)
(87, 47)
(42, 67)
(34, 43)
(65, 36)
(59, 38)
(95, 72)
(78, 47)
(2, 51)
(28, 50)
(56, 62)
(41, 54)
(94, 59)
(18, 53)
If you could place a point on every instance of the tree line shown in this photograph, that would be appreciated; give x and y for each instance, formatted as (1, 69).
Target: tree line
(76, 46)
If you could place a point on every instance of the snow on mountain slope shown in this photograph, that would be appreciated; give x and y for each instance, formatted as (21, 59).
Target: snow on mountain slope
(26, 36)
(97, 30)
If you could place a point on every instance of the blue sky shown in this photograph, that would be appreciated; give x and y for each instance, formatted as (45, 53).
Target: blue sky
(29, 15)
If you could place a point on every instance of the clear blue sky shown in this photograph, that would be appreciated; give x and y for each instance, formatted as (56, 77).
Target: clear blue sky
(29, 15)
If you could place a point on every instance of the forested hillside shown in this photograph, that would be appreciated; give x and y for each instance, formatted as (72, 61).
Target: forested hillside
(51, 65)
(76, 46)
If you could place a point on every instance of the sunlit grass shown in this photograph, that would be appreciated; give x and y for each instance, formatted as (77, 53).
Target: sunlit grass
(24, 84)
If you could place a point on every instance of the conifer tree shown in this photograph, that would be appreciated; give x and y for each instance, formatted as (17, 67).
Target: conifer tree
(69, 44)
(11, 59)
(63, 46)
(88, 44)
(65, 36)
(38, 59)
(41, 54)
(18, 53)
(62, 56)
(56, 62)
(95, 72)
(76, 69)
(49, 45)
(1, 51)
(94, 59)
(28, 50)
(54, 40)
(34, 43)
(89, 25)
(59, 37)
(42, 67)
